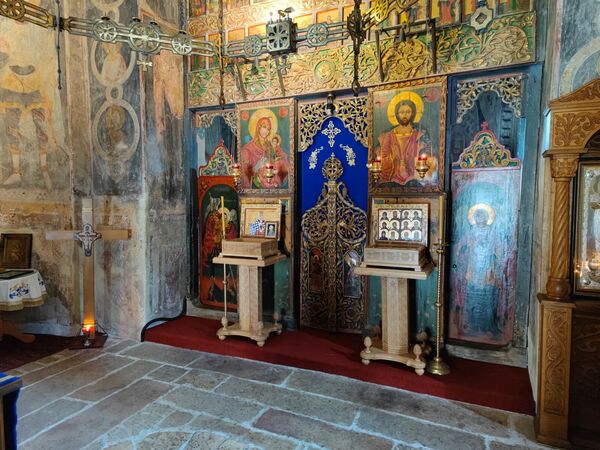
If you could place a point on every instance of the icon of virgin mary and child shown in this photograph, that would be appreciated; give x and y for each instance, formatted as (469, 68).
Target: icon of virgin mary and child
(264, 148)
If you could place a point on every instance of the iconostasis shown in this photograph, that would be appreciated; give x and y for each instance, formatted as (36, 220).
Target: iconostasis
(476, 133)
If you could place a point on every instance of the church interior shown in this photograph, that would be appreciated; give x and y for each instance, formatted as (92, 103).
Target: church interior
(242, 224)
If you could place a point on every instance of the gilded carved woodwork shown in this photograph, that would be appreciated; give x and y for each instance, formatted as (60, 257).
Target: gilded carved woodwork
(573, 129)
(486, 151)
(334, 233)
(575, 118)
(204, 120)
(509, 89)
(351, 111)
(555, 390)
(507, 40)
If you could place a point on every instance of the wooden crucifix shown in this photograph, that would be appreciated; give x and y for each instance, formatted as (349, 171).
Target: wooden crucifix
(87, 236)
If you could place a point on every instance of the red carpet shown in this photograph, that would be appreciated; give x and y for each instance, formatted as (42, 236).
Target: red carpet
(14, 353)
(486, 384)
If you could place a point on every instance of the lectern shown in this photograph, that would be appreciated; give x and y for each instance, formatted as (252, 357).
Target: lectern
(395, 266)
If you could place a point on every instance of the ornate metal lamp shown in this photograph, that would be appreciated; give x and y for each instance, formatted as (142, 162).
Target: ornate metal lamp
(269, 172)
(236, 173)
(375, 168)
(422, 165)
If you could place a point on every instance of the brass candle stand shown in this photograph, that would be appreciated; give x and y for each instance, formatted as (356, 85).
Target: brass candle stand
(436, 366)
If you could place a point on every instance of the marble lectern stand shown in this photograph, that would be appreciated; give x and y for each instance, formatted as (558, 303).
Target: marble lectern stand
(393, 345)
(250, 323)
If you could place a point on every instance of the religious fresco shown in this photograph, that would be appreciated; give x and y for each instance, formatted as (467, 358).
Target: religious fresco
(116, 128)
(33, 151)
(407, 122)
(483, 253)
(266, 143)
(164, 133)
(211, 189)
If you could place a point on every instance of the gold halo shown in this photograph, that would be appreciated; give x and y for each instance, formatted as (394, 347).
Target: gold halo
(406, 95)
(259, 114)
(486, 207)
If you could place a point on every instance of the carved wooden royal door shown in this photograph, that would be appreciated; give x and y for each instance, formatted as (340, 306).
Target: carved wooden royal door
(333, 239)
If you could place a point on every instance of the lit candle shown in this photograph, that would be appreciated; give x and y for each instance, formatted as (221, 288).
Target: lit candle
(441, 219)
(223, 215)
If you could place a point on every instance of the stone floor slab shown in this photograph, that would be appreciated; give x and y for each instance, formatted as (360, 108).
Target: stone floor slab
(411, 404)
(242, 434)
(162, 353)
(32, 424)
(115, 381)
(202, 379)
(217, 405)
(77, 358)
(165, 440)
(319, 433)
(78, 431)
(413, 432)
(56, 386)
(327, 409)
(167, 373)
(213, 441)
(242, 368)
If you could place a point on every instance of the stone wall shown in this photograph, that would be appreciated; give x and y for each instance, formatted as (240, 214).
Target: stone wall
(115, 134)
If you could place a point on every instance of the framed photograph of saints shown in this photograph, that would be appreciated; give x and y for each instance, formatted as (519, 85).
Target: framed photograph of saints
(266, 146)
(586, 258)
(260, 220)
(399, 223)
(407, 123)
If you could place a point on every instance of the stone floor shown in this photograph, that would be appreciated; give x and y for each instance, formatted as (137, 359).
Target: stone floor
(132, 395)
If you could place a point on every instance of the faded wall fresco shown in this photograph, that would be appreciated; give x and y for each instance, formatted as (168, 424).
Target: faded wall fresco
(128, 158)
(35, 167)
(579, 45)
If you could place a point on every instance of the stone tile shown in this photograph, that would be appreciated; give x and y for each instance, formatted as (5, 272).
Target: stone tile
(114, 382)
(242, 368)
(120, 346)
(146, 419)
(412, 432)
(167, 373)
(202, 379)
(77, 358)
(421, 406)
(327, 409)
(242, 434)
(217, 405)
(212, 441)
(121, 446)
(317, 432)
(53, 413)
(76, 432)
(176, 420)
(56, 386)
(52, 359)
(26, 368)
(164, 440)
(162, 353)
(523, 426)
(497, 415)
(495, 445)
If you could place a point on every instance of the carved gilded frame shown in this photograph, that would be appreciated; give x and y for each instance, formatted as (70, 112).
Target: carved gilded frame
(439, 158)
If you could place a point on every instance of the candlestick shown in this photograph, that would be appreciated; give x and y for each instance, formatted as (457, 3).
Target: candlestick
(223, 215)
(441, 219)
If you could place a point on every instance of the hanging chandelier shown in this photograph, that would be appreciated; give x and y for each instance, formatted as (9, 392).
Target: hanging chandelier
(282, 36)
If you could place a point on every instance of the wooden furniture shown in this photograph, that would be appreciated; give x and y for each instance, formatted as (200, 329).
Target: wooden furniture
(250, 292)
(9, 391)
(24, 289)
(575, 119)
(394, 342)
